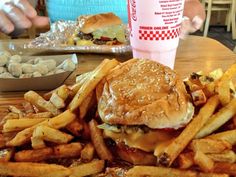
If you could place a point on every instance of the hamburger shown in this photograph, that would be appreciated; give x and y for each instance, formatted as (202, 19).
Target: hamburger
(141, 105)
(100, 29)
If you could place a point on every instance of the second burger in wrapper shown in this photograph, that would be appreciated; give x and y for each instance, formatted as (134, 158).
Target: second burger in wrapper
(99, 29)
(141, 101)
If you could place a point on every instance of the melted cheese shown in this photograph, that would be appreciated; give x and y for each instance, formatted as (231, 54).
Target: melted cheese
(144, 141)
(84, 42)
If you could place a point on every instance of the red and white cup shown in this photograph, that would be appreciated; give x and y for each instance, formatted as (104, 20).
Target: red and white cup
(155, 29)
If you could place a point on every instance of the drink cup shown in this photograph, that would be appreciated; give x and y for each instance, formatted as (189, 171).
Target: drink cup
(155, 29)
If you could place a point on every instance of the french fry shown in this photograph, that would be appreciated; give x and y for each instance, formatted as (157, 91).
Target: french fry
(52, 135)
(234, 121)
(224, 91)
(98, 142)
(210, 89)
(94, 78)
(56, 152)
(99, 89)
(57, 122)
(199, 97)
(6, 154)
(28, 108)
(33, 169)
(224, 84)
(8, 136)
(210, 145)
(75, 88)
(204, 162)
(116, 71)
(15, 110)
(12, 125)
(79, 82)
(222, 167)
(75, 127)
(62, 120)
(86, 132)
(161, 147)
(229, 136)
(212, 175)
(232, 88)
(229, 73)
(48, 95)
(63, 92)
(66, 151)
(216, 74)
(36, 155)
(185, 160)
(57, 101)
(218, 119)
(225, 156)
(81, 77)
(193, 85)
(87, 152)
(178, 144)
(204, 78)
(153, 171)
(22, 137)
(38, 115)
(9, 116)
(41, 103)
(2, 141)
(36, 109)
(37, 143)
(86, 105)
(87, 169)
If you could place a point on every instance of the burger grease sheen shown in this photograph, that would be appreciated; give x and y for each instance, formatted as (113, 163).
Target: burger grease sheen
(140, 98)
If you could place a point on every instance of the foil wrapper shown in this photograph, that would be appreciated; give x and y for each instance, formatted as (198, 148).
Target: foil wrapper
(55, 41)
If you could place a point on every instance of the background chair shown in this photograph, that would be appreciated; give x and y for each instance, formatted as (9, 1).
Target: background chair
(221, 5)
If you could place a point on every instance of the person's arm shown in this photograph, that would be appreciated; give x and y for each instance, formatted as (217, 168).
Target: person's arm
(195, 13)
(18, 15)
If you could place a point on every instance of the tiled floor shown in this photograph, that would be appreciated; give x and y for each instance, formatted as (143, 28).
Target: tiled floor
(219, 33)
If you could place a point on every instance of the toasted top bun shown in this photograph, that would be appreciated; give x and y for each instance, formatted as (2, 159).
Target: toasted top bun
(144, 92)
(98, 21)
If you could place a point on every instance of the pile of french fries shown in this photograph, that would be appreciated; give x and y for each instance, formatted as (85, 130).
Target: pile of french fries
(57, 134)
